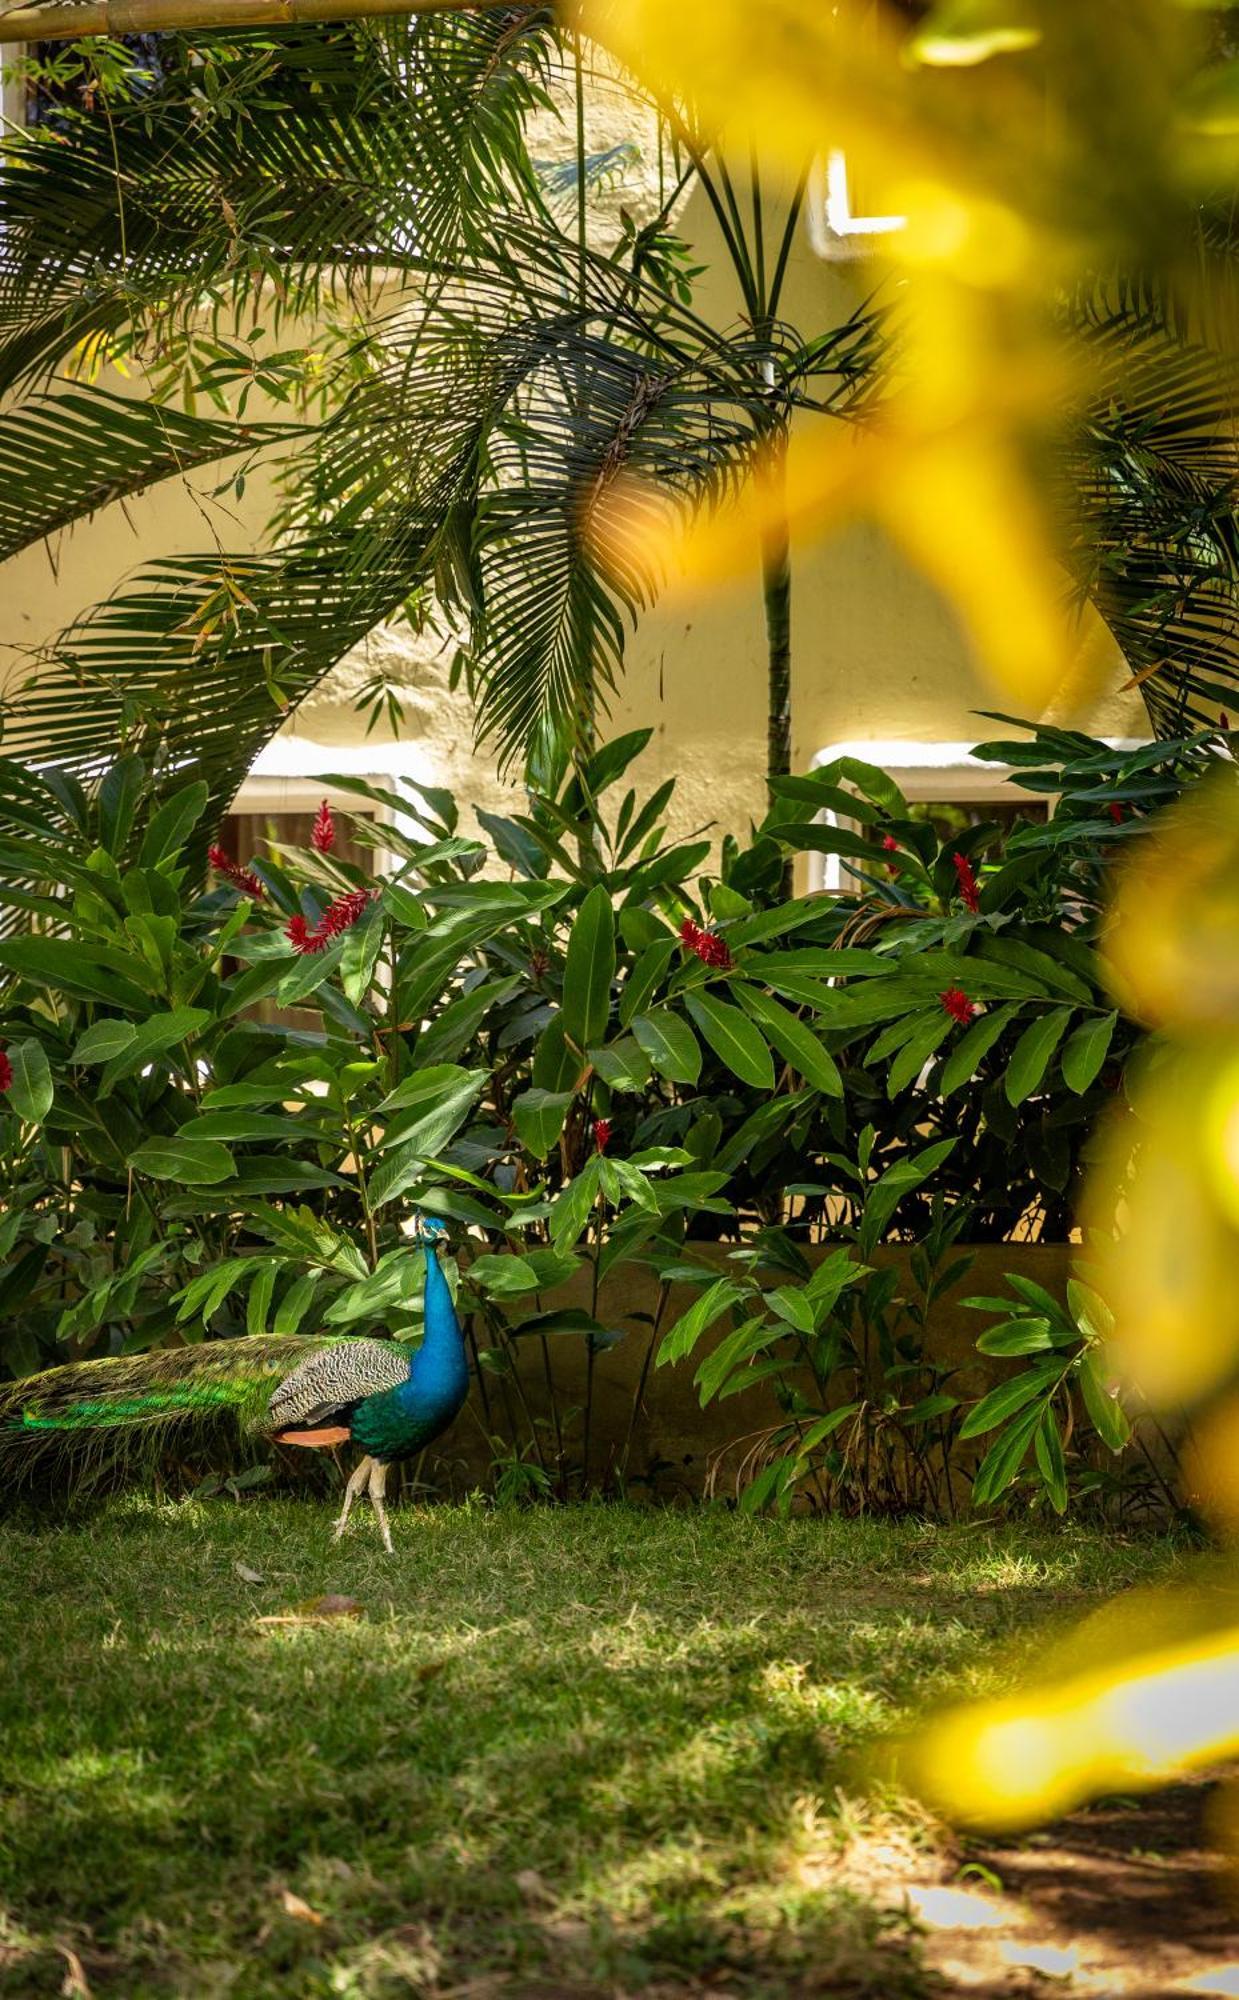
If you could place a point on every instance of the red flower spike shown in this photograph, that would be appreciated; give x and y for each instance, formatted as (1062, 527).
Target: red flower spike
(323, 838)
(890, 844)
(969, 892)
(708, 946)
(346, 911)
(337, 917)
(6, 1071)
(241, 878)
(302, 938)
(957, 1004)
(1116, 813)
(602, 1133)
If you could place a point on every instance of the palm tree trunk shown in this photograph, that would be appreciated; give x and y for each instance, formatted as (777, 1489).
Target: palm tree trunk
(776, 579)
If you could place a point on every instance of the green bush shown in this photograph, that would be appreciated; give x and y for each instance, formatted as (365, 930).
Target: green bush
(570, 1038)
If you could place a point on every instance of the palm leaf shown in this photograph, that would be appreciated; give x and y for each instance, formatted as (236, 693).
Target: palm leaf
(1154, 475)
(320, 153)
(63, 456)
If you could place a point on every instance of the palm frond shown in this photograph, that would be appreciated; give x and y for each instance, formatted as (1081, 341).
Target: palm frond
(1153, 472)
(63, 456)
(314, 155)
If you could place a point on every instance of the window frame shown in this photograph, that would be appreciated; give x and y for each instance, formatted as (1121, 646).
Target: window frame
(925, 773)
(836, 232)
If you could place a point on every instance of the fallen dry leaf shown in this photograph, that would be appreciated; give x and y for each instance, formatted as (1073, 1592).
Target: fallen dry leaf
(248, 1575)
(315, 1609)
(296, 1906)
(74, 1985)
(534, 1887)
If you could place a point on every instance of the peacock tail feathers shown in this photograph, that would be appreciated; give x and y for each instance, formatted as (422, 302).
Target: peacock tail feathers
(123, 1409)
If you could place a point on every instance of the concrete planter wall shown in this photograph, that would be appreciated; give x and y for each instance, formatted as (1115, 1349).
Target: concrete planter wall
(677, 1447)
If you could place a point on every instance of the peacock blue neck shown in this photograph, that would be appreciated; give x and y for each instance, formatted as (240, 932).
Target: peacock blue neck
(440, 1366)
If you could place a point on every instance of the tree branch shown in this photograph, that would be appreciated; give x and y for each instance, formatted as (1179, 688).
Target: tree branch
(70, 22)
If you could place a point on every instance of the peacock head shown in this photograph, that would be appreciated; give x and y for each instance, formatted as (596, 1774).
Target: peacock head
(431, 1230)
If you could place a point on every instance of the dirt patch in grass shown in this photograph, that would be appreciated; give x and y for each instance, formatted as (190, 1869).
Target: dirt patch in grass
(1127, 1897)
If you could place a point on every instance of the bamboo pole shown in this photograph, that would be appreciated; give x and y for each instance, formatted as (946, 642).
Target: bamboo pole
(73, 19)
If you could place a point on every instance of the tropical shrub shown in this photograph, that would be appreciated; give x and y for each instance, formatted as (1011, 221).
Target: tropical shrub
(1047, 1406)
(975, 1005)
(867, 1420)
(572, 1039)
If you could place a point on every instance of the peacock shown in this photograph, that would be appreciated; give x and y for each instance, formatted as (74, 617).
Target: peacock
(316, 1391)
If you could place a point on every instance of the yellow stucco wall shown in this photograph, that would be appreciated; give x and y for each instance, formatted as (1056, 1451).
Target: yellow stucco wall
(877, 656)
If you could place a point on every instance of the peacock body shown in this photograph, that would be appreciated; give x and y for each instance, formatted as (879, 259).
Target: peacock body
(318, 1391)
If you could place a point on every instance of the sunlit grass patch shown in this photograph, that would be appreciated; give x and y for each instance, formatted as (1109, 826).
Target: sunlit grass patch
(561, 1750)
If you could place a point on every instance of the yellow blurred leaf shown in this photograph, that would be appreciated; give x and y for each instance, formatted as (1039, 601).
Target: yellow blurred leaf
(1165, 1262)
(796, 76)
(971, 31)
(1125, 1724)
(1211, 1473)
(956, 503)
(1173, 944)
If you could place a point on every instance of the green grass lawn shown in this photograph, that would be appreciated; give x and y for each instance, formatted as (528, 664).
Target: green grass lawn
(562, 1753)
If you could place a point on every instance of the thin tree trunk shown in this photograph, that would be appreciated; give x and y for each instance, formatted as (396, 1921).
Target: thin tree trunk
(776, 578)
(60, 23)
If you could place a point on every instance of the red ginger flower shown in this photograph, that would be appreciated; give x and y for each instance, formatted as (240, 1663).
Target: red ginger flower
(338, 916)
(957, 1004)
(6, 1071)
(969, 893)
(602, 1133)
(241, 878)
(890, 843)
(708, 946)
(1116, 813)
(323, 838)
(301, 937)
(345, 911)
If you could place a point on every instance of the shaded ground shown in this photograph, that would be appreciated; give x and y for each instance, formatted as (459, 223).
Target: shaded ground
(587, 1753)
(1125, 1899)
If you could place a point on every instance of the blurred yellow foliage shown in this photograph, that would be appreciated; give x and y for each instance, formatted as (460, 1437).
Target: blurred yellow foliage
(1122, 1725)
(1032, 149)
(1017, 177)
(1173, 943)
(1162, 1221)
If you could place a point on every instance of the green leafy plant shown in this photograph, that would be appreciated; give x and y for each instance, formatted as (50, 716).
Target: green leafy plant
(868, 1421)
(597, 1058)
(1048, 1414)
(972, 1000)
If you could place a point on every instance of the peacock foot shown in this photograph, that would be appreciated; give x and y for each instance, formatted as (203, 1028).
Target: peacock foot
(370, 1476)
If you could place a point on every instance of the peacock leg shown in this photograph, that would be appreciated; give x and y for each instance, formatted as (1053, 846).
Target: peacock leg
(356, 1485)
(378, 1487)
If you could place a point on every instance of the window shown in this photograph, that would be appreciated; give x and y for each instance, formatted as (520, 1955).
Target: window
(248, 834)
(273, 808)
(944, 784)
(839, 228)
